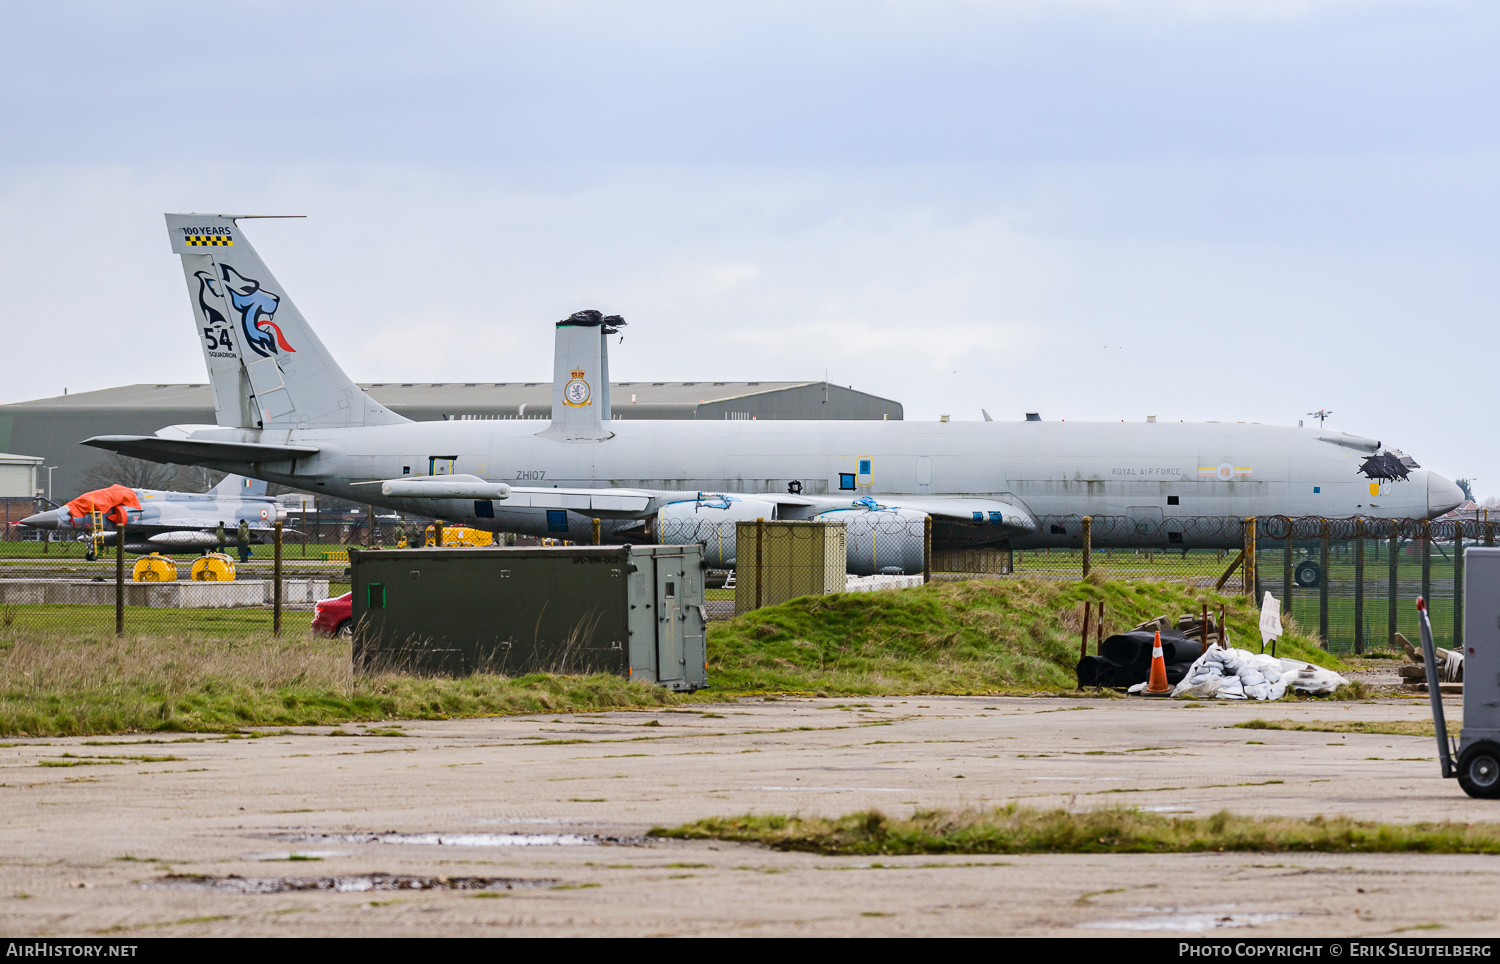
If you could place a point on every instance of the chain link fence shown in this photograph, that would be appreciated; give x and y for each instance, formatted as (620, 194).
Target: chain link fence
(77, 587)
(1352, 583)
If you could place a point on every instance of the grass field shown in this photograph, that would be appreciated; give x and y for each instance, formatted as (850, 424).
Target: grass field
(221, 669)
(1021, 830)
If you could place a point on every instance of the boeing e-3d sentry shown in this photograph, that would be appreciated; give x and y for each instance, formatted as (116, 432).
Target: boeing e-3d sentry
(164, 521)
(286, 412)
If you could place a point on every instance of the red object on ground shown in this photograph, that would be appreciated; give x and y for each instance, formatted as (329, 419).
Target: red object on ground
(1158, 685)
(334, 617)
(111, 501)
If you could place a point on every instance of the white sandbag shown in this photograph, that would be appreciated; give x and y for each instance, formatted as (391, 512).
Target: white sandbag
(1239, 674)
(1307, 678)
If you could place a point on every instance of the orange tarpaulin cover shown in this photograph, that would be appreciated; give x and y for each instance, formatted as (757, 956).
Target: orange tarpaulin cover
(111, 501)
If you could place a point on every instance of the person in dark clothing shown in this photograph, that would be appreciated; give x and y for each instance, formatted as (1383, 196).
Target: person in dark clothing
(219, 532)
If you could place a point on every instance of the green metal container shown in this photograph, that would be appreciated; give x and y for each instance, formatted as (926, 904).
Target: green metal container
(632, 610)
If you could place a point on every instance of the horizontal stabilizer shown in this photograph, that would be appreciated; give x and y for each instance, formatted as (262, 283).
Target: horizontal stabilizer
(988, 511)
(197, 451)
(605, 503)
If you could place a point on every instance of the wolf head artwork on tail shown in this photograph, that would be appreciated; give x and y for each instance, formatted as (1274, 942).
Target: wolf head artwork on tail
(267, 367)
(256, 308)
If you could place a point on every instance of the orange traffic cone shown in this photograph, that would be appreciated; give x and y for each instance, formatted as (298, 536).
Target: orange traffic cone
(1157, 684)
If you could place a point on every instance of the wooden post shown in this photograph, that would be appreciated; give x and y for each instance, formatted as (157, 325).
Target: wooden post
(1458, 585)
(1359, 586)
(597, 527)
(437, 533)
(276, 577)
(760, 560)
(927, 549)
(1203, 625)
(1083, 648)
(120, 576)
(1221, 626)
(1390, 601)
(1099, 638)
(1088, 524)
(1323, 587)
(1250, 557)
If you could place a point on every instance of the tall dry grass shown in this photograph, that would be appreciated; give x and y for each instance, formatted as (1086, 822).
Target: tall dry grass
(53, 684)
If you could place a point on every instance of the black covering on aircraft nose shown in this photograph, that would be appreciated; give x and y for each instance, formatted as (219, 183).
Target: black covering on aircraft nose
(1387, 465)
(593, 318)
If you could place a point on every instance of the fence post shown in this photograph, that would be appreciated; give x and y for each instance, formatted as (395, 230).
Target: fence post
(1088, 524)
(1427, 563)
(437, 533)
(1391, 592)
(1359, 586)
(597, 527)
(926, 549)
(120, 576)
(1489, 533)
(1250, 573)
(1323, 585)
(760, 568)
(276, 587)
(1458, 585)
(1286, 565)
(1083, 645)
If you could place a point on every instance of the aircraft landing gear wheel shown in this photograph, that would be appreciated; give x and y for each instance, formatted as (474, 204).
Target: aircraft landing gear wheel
(1308, 575)
(1479, 770)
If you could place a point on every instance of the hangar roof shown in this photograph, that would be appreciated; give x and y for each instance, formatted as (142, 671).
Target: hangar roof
(434, 400)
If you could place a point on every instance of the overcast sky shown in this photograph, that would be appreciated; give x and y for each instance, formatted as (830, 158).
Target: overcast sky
(1202, 209)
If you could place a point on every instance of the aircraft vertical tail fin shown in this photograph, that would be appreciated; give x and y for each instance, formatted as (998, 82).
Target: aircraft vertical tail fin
(237, 486)
(266, 365)
(580, 378)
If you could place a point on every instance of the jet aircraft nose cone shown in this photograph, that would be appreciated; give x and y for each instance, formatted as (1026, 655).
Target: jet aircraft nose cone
(42, 520)
(1442, 495)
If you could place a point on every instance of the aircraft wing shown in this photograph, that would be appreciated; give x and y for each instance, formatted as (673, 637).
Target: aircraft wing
(605, 503)
(638, 503)
(186, 451)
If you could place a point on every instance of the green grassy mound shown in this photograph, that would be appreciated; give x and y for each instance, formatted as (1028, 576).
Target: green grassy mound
(981, 636)
(1020, 830)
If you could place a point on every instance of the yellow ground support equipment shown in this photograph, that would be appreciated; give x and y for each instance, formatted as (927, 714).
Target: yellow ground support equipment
(96, 532)
(461, 536)
(154, 568)
(214, 567)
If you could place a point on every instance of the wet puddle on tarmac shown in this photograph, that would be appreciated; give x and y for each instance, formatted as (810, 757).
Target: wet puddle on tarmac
(460, 839)
(352, 884)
